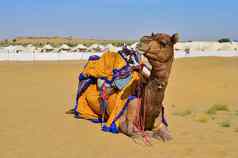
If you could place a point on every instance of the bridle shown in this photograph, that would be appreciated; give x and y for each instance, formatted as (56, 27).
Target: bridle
(159, 51)
(161, 85)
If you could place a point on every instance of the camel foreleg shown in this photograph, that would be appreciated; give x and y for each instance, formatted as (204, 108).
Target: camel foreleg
(160, 131)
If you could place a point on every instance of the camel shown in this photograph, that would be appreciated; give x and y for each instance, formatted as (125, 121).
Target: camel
(159, 50)
(142, 115)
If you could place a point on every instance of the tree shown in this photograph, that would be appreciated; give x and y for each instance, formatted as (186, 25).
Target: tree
(223, 40)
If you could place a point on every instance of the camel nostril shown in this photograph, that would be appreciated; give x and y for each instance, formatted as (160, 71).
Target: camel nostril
(160, 86)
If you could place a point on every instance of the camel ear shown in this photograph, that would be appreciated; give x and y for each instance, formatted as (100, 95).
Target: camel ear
(175, 38)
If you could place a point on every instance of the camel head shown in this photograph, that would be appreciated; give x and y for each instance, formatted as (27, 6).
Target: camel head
(158, 46)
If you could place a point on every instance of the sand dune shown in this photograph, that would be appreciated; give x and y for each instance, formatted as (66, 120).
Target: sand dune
(34, 97)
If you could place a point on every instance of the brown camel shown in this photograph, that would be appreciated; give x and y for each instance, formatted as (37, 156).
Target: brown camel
(138, 120)
(159, 50)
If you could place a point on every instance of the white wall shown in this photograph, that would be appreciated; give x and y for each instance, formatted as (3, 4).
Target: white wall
(29, 56)
(182, 54)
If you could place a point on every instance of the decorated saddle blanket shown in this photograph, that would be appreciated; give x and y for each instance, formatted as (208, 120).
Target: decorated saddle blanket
(106, 85)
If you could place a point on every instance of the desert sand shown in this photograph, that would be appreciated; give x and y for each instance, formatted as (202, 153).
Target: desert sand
(35, 96)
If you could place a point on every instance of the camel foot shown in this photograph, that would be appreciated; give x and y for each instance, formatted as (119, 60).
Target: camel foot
(140, 140)
(162, 134)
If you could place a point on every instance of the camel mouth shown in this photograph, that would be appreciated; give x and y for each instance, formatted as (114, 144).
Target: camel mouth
(139, 49)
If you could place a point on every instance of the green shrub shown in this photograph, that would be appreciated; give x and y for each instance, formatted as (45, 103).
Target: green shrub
(217, 107)
(225, 124)
(224, 40)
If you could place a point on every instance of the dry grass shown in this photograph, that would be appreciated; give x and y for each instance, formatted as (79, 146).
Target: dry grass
(236, 113)
(202, 118)
(236, 129)
(183, 113)
(225, 124)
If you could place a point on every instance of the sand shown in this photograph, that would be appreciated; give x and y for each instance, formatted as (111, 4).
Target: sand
(34, 97)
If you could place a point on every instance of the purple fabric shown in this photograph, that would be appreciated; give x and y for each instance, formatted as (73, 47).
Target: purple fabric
(123, 72)
(82, 86)
(94, 57)
(82, 77)
(112, 129)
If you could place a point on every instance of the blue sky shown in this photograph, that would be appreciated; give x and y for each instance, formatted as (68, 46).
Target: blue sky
(121, 19)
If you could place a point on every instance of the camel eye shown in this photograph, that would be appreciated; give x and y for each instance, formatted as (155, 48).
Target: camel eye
(163, 43)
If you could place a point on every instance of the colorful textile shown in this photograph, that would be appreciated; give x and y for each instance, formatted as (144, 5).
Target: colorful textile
(112, 69)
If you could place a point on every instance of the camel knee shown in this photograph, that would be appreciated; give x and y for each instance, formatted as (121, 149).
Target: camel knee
(132, 113)
(132, 108)
(128, 118)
